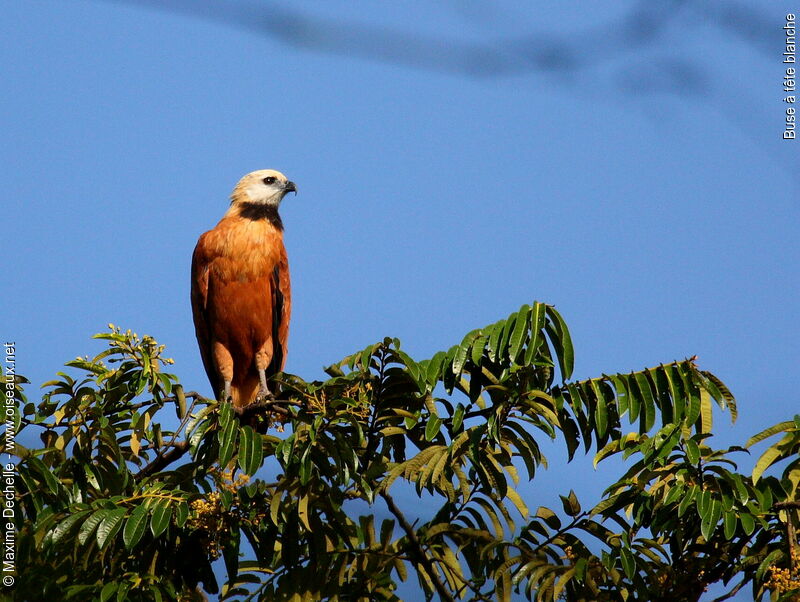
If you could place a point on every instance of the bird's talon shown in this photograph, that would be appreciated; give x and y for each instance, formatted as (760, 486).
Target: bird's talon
(265, 397)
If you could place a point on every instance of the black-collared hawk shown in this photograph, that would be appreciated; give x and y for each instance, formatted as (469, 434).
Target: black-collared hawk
(241, 297)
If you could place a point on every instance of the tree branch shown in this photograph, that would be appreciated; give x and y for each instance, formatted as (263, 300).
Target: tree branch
(731, 593)
(176, 450)
(161, 461)
(417, 550)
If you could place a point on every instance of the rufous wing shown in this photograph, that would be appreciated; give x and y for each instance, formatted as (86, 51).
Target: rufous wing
(201, 260)
(281, 311)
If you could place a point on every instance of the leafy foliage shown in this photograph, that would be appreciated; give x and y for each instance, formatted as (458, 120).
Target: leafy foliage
(138, 487)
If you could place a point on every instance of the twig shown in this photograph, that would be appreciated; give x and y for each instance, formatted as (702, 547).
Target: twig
(135, 406)
(484, 412)
(162, 461)
(417, 550)
(176, 450)
(185, 420)
(731, 593)
(155, 447)
(564, 529)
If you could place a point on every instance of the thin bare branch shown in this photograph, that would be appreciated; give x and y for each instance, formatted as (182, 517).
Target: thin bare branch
(417, 551)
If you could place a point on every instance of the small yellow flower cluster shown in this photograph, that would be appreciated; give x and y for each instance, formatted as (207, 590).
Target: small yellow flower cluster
(595, 567)
(206, 509)
(208, 518)
(317, 402)
(783, 580)
(226, 481)
(211, 519)
(362, 395)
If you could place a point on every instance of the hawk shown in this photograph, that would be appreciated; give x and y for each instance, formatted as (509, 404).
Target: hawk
(241, 294)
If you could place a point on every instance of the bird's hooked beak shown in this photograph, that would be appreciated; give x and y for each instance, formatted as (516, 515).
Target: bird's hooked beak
(289, 187)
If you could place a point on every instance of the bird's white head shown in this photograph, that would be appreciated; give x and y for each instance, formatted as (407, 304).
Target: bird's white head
(263, 187)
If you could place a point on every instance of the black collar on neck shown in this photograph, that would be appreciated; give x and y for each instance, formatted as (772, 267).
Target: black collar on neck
(257, 211)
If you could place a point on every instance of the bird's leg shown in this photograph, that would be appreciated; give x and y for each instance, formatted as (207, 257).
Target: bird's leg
(263, 359)
(224, 365)
(264, 394)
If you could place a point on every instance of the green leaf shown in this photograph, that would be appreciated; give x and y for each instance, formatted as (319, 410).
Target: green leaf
(722, 394)
(458, 418)
(180, 402)
(302, 512)
(109, 589)
(549, 517)
(609, 449)
(711, 518)
(109, 527)
(769, 457)
(692, 451)
(122, 592)
(227, 440)
(90, 524)
(748, 522)
(562, 342)
(519, 333)
(563, 579)
(572, 506)
(434, 372)
(675, 492)
(250, 451)
(706, 411)
(460, 357)
(494, 339)
(387, 529)
(518, 502)
(160, 517)
(601, 412)
(526, 445)
(703, 502)
(729, 522)
(625, 401)
(366, 357)
(305, 470)
(226, 415)
(181, 513)
(432, 428)
(628, 562)
(648, 407)
(135, 526)
(768, 562)
(508, 328)
(38, 467)
(678, 402)
(687, 500)
(66, 525)
(537, 326)
(695, 404)
(477, 347)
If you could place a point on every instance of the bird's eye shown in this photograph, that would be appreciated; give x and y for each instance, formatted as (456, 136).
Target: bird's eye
(270, 180)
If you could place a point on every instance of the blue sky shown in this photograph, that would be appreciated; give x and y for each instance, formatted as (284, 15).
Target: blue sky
(636, 179)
